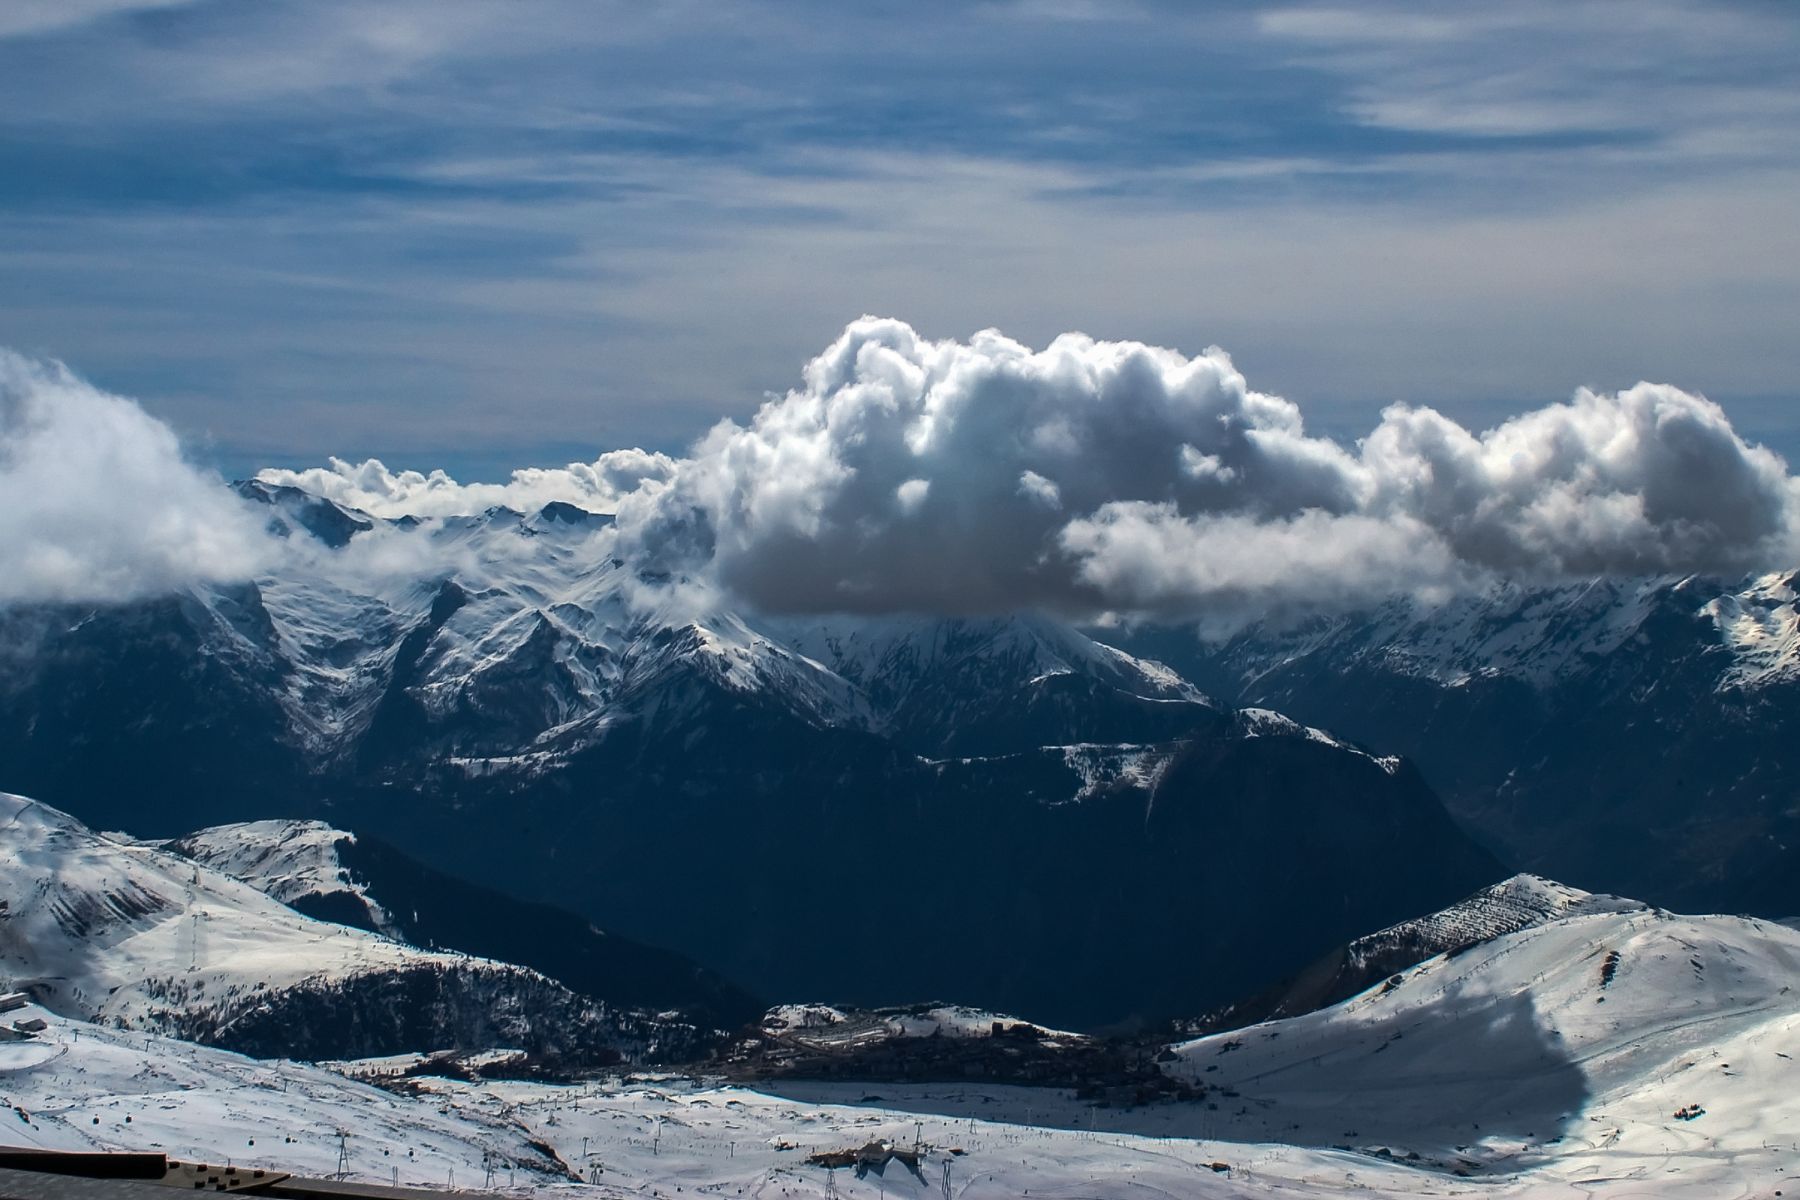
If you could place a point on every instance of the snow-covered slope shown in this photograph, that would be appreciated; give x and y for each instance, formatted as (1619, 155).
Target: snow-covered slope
(1601, 1050)
(943, 685)
(1536, 635)
(82, 1086)
(1512, 904)
(334, 875)
(503, 632)
(120, 932)
(1758, 624)
(86, 1087)
(1557, 1050)
(889, 656)
(1521, 902)
(1544, 637)
(1263, 722)
(127, 934)
(295, 862)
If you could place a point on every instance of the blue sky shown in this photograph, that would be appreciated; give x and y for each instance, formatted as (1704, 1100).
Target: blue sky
(486, 235)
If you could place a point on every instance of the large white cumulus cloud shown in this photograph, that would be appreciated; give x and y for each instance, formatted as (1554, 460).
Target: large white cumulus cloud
(1651, 479)
(1093, 477)
(905, 474)
(373, 488)
(97, 502)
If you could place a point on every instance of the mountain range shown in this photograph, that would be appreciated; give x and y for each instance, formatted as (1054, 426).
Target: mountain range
(863, 811)
(884, 810)
(1629, 735)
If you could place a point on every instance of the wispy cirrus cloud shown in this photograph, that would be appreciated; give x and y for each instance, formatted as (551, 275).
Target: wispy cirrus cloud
(25, 18)
(393, 231)
(1659, 73)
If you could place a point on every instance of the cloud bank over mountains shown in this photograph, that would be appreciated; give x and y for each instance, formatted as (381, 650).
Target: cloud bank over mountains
(373, 488)
(1093, 477)
(1088, 478)
(97, 501)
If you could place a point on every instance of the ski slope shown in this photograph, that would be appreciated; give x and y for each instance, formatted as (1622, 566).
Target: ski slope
(1558, 1054)
(80, 1086)
(286, 860)
(115, 931)
(1592, 1048)
(83, 1087)
(128, 934)
(1326, 1105)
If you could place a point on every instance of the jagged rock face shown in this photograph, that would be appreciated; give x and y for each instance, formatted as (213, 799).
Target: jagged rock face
(1045, 824)
(292, 510)
(1631, 737)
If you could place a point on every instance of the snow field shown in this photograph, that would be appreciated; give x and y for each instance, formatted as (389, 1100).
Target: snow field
(87, 1087)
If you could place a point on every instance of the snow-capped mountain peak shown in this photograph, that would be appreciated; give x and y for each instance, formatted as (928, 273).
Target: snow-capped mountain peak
(503, 634)
(1759, 625)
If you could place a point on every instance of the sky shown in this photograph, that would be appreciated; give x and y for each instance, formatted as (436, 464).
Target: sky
(488, 236)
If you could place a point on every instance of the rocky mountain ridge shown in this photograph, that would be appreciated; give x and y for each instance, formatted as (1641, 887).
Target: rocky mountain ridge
(1632, 736)
(508, 700)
